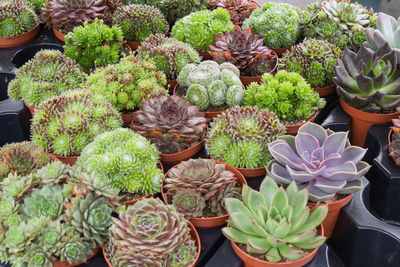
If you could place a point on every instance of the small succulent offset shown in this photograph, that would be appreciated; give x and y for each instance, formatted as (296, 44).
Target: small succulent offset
(313, 59)
(45, 219)
(16, 17)
(369, 80)
(196, 184)
(128, 83)
(278, 24)
(65, 124)
(139, 22)
(274, 223)
(94, 44)
(322, 161)
(339, 22)
(395, 140)
(245, 50)
(199, 28)
(172, 123)
(239, 10)
(286, 94)
(211, 84)
(21, 158)
(50, 73)
(169, 54)
(240, 136)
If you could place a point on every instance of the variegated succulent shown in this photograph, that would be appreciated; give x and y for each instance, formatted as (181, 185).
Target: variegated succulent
(322, 161)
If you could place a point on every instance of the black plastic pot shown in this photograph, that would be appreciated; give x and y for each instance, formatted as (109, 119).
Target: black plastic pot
(337, 120)
(25, 54)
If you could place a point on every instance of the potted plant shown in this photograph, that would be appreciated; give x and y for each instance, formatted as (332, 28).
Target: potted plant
(38, 4)
(274, 227)
(278, 24)
(65, 124)
(239, 10)
(21, 158)
(247, 52)
(139, 22)
(339, 22)
(151, 233)
(197, 189)
(19, 23)
(239, 137)
(127, 84)
(200, 28)
(367, 83)
(174, 125)
(128, 160)
(315, 61)
(210, 86)
(322, 161)
(169, 55)
(394, 141)
(286, 94)
(58, 216)
(50, 73)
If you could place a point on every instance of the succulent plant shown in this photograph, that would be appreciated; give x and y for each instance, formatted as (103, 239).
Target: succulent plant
(150, 233)
(322, 161)
(189, 202)
(313, 59)
(369, 80)
(286, 94)
(38, 4)
(16, 17)
(139, 21)
(50, 73)
(339, 22)
(239, 136)
(200, 28)
(172, 116)
(93, 45)
(274, 224)
(128, 83)
(126, 158)
(239, 10)
(395, 140)
(65, 124)
(278, 24)
(169, 54)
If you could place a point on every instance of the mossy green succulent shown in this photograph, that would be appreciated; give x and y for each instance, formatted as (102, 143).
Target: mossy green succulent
(16, 17)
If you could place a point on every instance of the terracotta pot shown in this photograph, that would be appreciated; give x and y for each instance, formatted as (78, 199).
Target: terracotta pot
(66, 160)
(31, 109)
(362, 121)
(183, 155)
(250, 261)
(253, 172)
(194, 235)
(334, 209)
(205, 55)
(292, 129)
(325, 91)
(60, 36)
(280, 51)
(211, 222)
(21, 39)
(390, 148)
(67, 264)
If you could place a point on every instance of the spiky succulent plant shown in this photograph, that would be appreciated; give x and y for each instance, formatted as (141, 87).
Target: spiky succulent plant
(16, 17)
(65, 124)
(150, 233)
(196, 184)
(245, 50)
(38, 4)
(286, 94)
(50, 73)
(126, 158)
(239, 10)
(171, 116)
(21, 158)
(139, 21)
(322, 161)
(369, 80)
(394, 144)
(94, 45)
(276, 23)
(169, 54)
(239, 136)
(128, 83)
(199, 28)
(43, 220)
(274, 224)
(339, 22)
(315, 60)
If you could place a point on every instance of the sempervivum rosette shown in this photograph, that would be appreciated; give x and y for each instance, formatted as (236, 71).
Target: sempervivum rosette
(319, 159)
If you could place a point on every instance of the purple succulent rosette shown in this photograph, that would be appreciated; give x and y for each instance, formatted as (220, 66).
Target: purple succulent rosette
(321, 160)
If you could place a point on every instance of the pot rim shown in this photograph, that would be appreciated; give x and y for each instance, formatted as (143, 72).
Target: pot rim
(372, 117)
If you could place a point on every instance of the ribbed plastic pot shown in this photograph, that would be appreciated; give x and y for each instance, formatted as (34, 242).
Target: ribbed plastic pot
(325, 91)
(67, 264)
(293, 129)
(19, 39)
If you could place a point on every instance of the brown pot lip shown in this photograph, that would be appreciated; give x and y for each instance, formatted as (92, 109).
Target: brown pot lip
(200, 143)
(281, 50)
(5, 40)
(60, 36)
(300, 124)
(88, 257)
(61, 157)
(353, 112)
(325, 91)
(333, 205)
(245, 171)
(239, 177)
